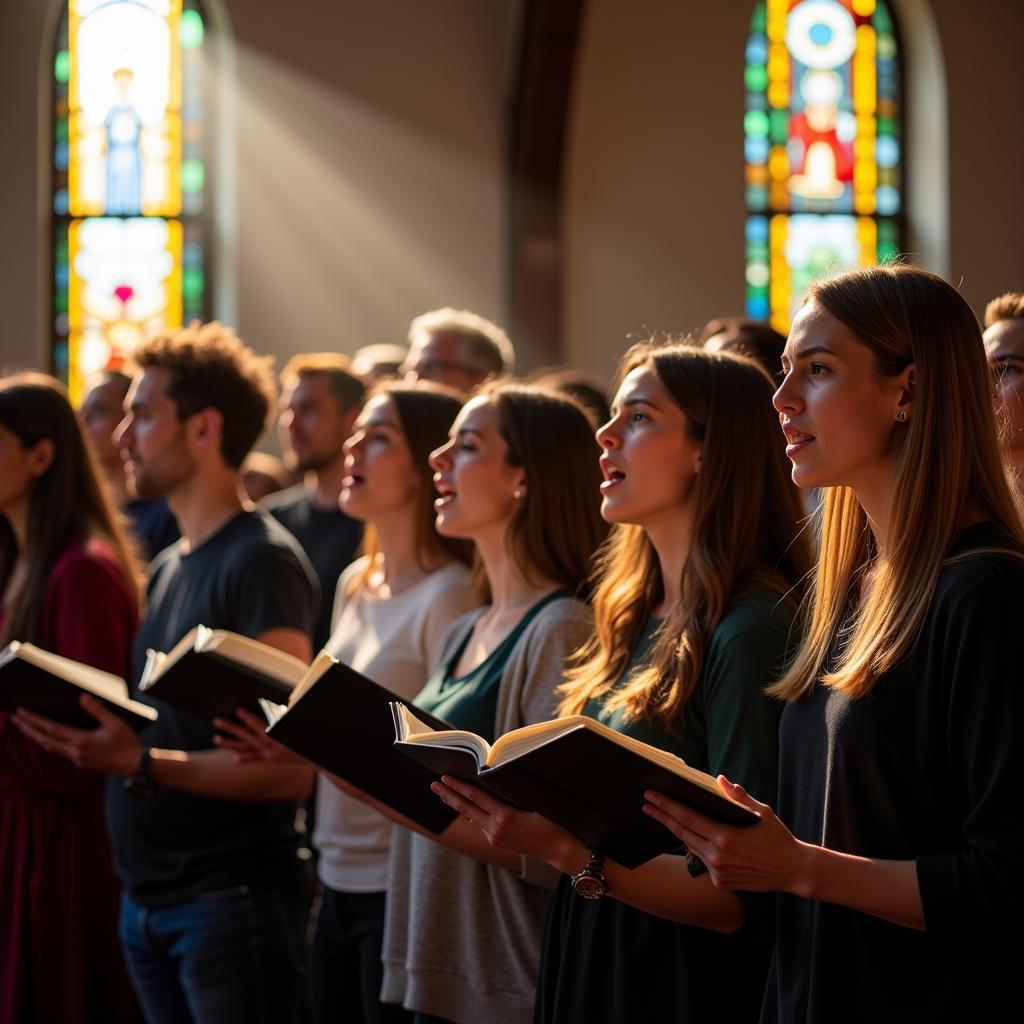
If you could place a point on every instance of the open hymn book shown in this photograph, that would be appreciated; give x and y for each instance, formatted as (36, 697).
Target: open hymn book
(577, 772)
(341, 721)
(51, 685)
(211, 672)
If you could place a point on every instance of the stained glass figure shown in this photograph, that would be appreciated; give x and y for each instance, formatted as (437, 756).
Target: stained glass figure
(129, 177)
(822, 146)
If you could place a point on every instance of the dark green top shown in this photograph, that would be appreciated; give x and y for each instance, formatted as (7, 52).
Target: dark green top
(603, 960)
(722, 729)
(470, 701)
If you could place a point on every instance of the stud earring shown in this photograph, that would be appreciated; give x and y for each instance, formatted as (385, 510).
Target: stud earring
(902, 415)
(517, 493)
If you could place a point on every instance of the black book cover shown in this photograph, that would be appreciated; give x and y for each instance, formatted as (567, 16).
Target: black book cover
(591, 787)
(23, 685)
(344, 724)
(207, 684)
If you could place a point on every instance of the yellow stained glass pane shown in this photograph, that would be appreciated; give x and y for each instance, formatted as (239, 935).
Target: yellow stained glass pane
(124, 285)
(124, 100)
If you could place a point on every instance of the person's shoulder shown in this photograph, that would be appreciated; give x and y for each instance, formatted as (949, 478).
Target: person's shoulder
(450, 577)
(88, 563)
(280, 504)
(982, 561)
(755, 609)
(564, 614)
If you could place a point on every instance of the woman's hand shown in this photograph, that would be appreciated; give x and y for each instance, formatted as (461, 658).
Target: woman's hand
(765, 857)
(247, 739)
(522, 832)
(112, 747)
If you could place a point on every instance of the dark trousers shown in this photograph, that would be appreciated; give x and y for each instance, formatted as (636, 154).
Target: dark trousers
(225, 958)
(345, 971)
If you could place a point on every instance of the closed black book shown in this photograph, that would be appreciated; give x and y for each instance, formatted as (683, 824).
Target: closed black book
(579, 774)
(342, 722)
(211, 672)
(51, 685)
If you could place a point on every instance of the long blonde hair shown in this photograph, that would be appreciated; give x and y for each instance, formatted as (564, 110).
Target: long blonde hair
(948, 466)
(745, 535)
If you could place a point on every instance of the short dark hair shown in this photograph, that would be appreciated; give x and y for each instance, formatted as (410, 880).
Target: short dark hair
(346, 385)
(210, 368)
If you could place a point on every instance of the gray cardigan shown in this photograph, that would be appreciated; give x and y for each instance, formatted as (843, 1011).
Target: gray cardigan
(462, 938)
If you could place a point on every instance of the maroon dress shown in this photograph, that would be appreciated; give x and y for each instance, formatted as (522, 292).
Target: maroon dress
(60, 959)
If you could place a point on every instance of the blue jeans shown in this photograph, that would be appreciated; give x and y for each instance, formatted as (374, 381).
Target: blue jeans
(345, 971)
(222, 958)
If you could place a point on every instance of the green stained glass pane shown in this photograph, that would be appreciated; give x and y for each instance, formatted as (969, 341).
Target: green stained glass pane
(882, 21)
(192, 175)
(190, 30)
(60, 301)
(755, 122)
(756, 77)
(759, 21)
(887, 231)
(757, 250)
(887, 252)
(886, 126)
(779, 126)
(60, 129)
(62, 66)
(192, 283)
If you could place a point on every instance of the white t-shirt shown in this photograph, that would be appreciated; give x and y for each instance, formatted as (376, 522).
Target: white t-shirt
(397, 643)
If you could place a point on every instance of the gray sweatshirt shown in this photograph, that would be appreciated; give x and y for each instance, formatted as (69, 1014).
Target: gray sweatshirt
(462, 938)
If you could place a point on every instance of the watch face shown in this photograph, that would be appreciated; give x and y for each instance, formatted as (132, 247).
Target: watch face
(590, 887)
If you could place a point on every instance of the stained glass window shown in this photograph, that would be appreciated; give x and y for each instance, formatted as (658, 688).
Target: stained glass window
(129, 179)
(822, 146)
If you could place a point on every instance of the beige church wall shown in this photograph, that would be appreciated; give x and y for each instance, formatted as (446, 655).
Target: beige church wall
(362, 149)
(653, 214)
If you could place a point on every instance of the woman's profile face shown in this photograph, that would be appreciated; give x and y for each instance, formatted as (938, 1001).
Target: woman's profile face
(380, 477)
(838, 414)
(649, 460)
(476, 486)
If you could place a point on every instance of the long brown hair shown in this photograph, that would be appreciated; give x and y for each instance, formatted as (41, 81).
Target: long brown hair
(69, 500)
(557, 526)
(746, 534)
(426, 412)
(948, 466)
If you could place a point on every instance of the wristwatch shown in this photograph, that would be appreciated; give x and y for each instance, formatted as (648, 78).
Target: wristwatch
(590, 882)
(140, 783)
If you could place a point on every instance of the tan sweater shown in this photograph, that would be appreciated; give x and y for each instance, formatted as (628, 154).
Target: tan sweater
(462, 938)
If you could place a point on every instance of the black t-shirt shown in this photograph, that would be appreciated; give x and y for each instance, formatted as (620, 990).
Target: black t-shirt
(328, 536)
(927, 768)
(248, 577)
(153, 523)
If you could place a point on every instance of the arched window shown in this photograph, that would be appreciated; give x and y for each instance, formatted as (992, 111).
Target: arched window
(823, 146)
(129, 172)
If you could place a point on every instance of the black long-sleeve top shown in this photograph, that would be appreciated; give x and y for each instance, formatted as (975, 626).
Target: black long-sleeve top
(928, 767)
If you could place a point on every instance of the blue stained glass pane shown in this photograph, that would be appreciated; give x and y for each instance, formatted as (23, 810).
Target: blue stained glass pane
(757, 50)
(60, 156)
(820, 34)
(887, 151)
(755, 150)
(757, 308)
(888, 200)
(193, 253)
(60, 275)
(757, 229)
(60, 202)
